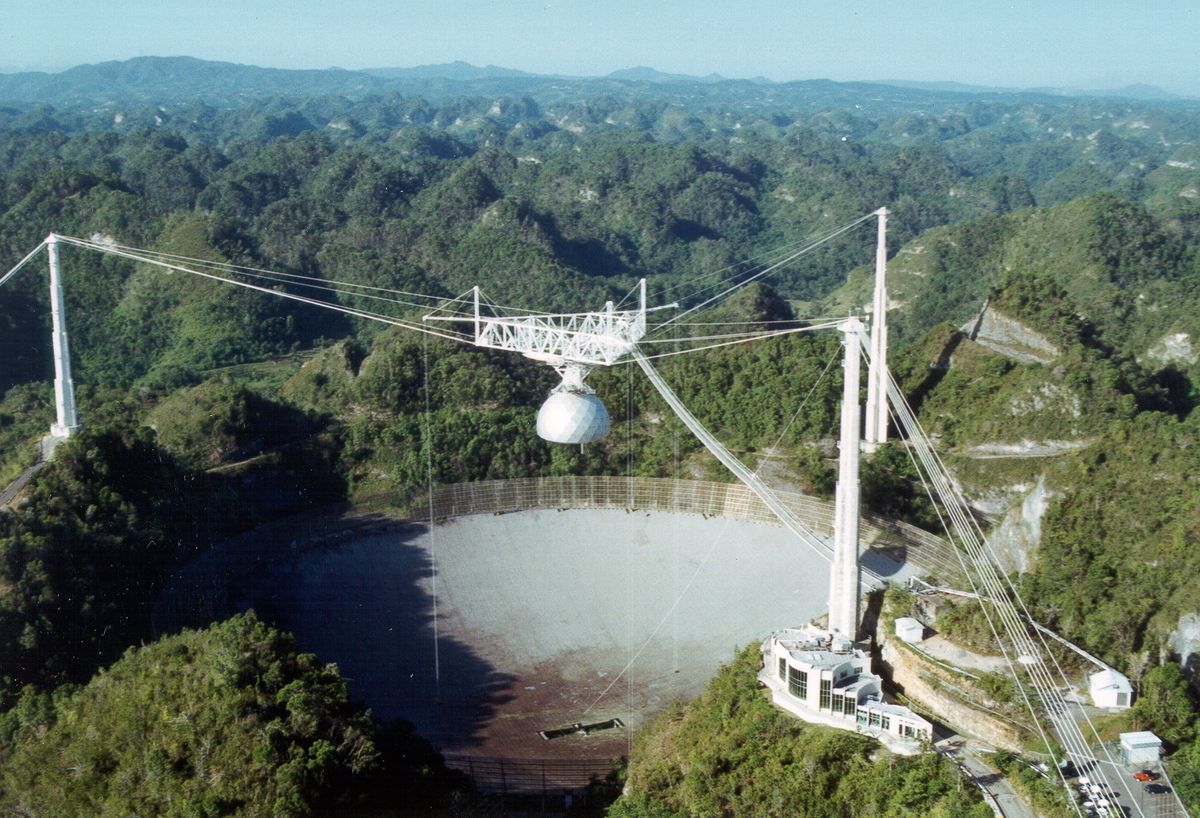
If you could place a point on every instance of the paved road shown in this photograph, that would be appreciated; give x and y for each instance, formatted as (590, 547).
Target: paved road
(997, 790)
(15, 486)
(1136, 800)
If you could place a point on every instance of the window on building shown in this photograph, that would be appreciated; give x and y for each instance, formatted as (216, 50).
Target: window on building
(862, 716)
(874, 719)
(782, 668)
(851, 706)
(826, 694)
(798, 683)
(885, 722)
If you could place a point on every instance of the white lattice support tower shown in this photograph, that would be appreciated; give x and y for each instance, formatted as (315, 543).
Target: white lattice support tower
(590, 338)
(877, 407)
(66, 421)
(844, 573)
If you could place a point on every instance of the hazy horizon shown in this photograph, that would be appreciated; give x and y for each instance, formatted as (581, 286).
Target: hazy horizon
(1104, 44)
(879, 80)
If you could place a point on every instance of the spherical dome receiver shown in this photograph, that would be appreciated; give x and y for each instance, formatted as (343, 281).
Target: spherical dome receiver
(572, 417)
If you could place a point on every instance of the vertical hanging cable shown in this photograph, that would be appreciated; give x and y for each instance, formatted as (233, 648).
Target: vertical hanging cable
(675, 534)
(433, 566)
(629, 562)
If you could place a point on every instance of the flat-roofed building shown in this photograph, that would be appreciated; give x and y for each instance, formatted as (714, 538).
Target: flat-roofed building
(823, 678)
(1141, 748)
(909, 629)
(1110, 689)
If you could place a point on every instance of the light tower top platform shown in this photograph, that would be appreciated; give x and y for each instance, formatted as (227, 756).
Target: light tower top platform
(582, 339)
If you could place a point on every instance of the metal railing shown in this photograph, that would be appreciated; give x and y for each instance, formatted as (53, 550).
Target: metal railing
(529, 776)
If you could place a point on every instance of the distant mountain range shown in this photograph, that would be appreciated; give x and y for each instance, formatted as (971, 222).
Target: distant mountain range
(457, 70)
(1146, 93)
(160, 80)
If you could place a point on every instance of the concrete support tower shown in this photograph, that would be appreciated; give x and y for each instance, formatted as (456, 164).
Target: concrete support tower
(843, 576)
(877, 405)
(67, 422)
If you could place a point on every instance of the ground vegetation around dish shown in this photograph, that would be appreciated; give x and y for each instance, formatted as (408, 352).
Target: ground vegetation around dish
(209, 410)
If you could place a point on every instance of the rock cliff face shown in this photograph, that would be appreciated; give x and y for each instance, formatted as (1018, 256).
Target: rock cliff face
(935, 688)
(1175, 348)
(1185, 643)
(1009, 337)
(1017, 535)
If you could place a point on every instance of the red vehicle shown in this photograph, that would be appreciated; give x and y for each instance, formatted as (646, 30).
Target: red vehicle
(1145, 775)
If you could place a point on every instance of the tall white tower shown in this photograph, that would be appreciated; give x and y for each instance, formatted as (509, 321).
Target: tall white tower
(66, 421)
(844, 573)
(877, 407)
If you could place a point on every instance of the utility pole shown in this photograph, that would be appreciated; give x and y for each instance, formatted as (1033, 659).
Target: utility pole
(877, 405)
(843, 575)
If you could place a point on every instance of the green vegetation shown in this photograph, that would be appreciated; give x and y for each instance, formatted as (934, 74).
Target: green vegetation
(1117, 553)
(559, 195)
(216, 422)
(81, 561)
(966, 624)
(1043, 790)
(890, 486)
(226, 721)
(26, 413)
(731, 752)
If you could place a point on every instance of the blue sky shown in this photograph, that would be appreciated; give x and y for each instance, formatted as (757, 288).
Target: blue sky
(1099, 44)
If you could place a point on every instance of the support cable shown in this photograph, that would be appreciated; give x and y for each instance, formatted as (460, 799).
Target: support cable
(908, 424)
(777, 251)
(22, 263)
(712, 547)
(786, 260)
(245, 269)
(1001, 593)
(433, 562)
(155, 257)
(760, 336)
(291, 296)
(727, 459)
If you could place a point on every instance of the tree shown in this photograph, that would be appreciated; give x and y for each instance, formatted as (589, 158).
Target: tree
(231, 720)
(1166, 705)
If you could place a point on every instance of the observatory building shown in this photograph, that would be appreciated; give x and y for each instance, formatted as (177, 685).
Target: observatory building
(819, 674)
(824, 678)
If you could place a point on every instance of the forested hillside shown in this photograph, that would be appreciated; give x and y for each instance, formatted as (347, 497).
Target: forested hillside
(210, 409)
(731, 752)
(231, 720)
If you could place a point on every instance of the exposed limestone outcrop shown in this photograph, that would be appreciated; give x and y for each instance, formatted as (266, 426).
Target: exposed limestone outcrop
(1025, 449)
(1174, 348)
(1009, 337)
(1184, 641)
(1017, 535)
(945, 693)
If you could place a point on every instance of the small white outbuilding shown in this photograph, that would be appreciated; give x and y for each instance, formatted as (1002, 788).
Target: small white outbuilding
(909, 629)
(1110, 689)
(1141, 748)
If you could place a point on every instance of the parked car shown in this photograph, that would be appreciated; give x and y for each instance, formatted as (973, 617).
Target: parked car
(1145, 775)
(1156, 789)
